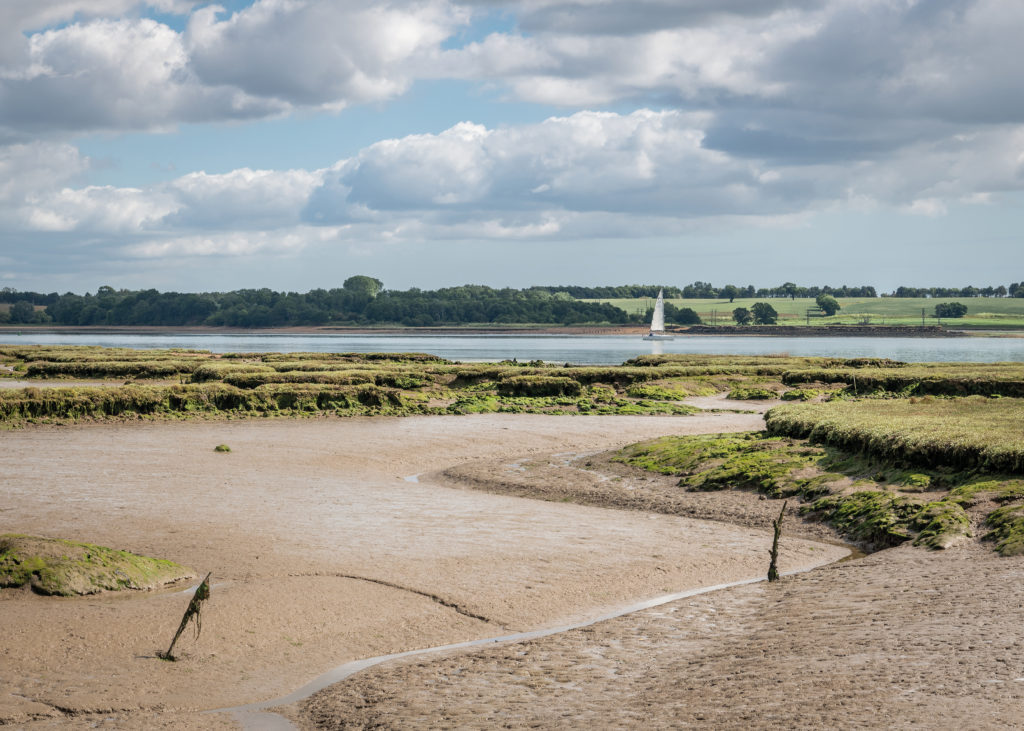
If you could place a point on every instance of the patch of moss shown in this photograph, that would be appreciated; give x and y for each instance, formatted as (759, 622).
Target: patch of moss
(723, 461)
(1007, 524)
(917, 481)
(882, 519)
(658, 393)
(800, 394)
(999, 490)
(68, 568)
(878, 518)
(539, 386)
(940, 524)
(740, 393)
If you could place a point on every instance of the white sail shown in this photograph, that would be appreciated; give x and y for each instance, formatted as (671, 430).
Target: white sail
(658, 320)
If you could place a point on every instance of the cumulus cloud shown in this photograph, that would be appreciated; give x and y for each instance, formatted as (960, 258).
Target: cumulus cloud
(762, 110)
(589, 174)
(319, 54)
(234, 243)
(839, 80)
(129, 72)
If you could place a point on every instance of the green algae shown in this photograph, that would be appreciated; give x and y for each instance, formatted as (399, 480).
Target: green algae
(781, 468)
(740, 393)
(69, 568)
(801, 394)
(1007, 524)
(706, 462)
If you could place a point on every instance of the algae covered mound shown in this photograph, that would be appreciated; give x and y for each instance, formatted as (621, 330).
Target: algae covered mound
(68, 568)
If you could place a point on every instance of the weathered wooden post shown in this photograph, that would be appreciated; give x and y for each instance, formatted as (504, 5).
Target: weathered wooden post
(773, 571)
(191, 614)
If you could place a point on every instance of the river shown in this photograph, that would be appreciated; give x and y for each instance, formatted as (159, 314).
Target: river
(581, 349)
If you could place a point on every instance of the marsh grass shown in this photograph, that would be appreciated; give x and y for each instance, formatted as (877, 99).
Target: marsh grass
(920, 379)
(968, 433)
(870, 497)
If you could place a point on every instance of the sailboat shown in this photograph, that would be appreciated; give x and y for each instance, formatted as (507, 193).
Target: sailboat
(658, 320)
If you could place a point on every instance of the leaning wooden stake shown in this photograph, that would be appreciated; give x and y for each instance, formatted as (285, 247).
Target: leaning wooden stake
(191, 614)
(773, 571)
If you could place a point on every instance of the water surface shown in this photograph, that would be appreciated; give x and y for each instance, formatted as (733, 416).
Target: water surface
(583, 349)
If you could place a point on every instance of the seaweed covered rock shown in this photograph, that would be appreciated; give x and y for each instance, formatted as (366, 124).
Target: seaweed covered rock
(68, 568)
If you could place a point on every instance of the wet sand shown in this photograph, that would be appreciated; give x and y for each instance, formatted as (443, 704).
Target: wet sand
(321, 553)
(904, 638)
(901, 639)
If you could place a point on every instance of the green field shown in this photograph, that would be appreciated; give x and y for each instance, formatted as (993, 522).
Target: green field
(982, 312)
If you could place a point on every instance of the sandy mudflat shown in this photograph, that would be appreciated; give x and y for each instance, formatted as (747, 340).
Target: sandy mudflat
(900, 639)
(904, 638)
(321, 553)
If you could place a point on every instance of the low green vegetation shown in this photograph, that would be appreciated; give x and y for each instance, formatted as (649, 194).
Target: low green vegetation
(919, 379)
(801, 394)
(222, 448)
(68, 568)
(880, 472)
(772, 467)
(741, 393)
(965, 433)
(1007, 526)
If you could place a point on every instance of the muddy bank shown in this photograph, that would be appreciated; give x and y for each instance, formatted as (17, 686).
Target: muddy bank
(809, 331)
(903, 638)
(321, 553)
(917, 637)
(597, 480)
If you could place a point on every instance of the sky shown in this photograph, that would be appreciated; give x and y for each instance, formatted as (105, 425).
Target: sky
(290, 144)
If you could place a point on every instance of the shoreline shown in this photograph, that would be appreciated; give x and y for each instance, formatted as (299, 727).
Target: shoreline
(767, 331)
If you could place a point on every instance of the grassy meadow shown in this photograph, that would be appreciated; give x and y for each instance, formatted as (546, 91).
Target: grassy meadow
(982, 312)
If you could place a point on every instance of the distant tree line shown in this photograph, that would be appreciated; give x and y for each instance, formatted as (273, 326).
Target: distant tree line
(706, 290)
(360, 301)
(1014, 290)
(625, 292)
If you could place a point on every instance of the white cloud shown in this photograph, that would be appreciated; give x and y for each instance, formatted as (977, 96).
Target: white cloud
(235, 243)
(319, 54)
(256, 197)
(590, 174)
(26, 169)
(126, 72)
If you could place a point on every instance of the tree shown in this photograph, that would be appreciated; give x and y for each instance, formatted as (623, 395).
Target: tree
(22, 311)
(764, 313)
(686, 316)
(828, 304)
(789, 290)
(950, 309)
(731, 291)
(742, 316)
(363, 285)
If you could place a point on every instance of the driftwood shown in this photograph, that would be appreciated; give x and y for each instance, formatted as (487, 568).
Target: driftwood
(191, 615)
(773, 571)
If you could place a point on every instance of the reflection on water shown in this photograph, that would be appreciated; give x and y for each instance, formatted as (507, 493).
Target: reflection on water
(590, 349)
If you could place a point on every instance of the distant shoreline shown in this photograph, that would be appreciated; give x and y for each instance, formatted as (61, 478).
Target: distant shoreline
(787, 331)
